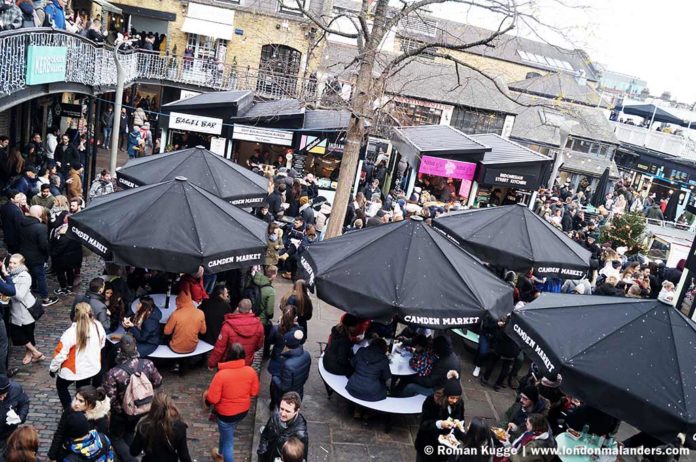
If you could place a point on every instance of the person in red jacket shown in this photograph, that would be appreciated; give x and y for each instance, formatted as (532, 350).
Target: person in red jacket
(241, 327)
(193, 284)
(230, 392)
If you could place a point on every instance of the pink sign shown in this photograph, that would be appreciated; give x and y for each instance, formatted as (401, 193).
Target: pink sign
(447, 168)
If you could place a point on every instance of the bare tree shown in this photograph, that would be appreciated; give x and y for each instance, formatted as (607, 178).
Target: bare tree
(371, 24)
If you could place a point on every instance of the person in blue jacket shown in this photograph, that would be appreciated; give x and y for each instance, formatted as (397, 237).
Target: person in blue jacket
(55, 11)
(144, 326)
(369, 381)
(294, 368)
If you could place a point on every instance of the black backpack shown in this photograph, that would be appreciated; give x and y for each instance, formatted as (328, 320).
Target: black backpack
(253, 293)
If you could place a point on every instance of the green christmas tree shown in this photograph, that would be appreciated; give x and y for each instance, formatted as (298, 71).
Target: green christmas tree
(625, 231)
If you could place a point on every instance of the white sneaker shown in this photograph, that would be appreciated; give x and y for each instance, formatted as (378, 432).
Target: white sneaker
(477, 371)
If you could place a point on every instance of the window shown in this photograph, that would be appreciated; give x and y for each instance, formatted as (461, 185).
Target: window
(290, 6)
(419, 25)
(278, 69)
(545, 61)
(472, 121)
(413, 114)
(591, 147)
(409, 44)
(204, 52)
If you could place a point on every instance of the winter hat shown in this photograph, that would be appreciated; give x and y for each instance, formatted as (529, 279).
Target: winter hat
(4, 384)
(552, 383)
(76, 166)
(293, 339)
(452, 386)
(531, 392)
(76, 425)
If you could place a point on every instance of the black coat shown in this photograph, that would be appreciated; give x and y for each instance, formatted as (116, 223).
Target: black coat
(172, 449)
(215, 310)
(66, 155)
(11, 216)
(338, 354)
(65, 251)
(441, 367)
(33, 241)
(428, 432)
(149, 334)
(275, 202)
(369, 381)
(275, 435)
(609, 290)
(16, 400)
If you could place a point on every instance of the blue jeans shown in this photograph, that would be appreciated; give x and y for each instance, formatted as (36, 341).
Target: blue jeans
(209, 281)
(226, 445)
(38, 280)
(107, 136)
(484, 347)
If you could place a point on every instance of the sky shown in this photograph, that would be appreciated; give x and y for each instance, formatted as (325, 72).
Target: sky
(652, 41)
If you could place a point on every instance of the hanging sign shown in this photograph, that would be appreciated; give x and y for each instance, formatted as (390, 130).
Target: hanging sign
(46, 64)
(195, 123)
(218, 145)
(447, 168)
(262, 135)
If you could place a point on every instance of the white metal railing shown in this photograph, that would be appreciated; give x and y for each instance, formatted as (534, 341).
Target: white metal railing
(667, 143)
(93, 65)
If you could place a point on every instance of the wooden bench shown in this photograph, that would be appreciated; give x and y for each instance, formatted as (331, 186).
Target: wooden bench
(389, 406)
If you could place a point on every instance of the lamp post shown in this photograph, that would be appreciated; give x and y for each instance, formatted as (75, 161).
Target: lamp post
(118, 103)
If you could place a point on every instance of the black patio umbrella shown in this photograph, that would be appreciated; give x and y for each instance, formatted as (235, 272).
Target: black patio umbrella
(672, 204)
(203, 168)
(172, 226)
(600, 193)
(633, 359)
(516, 238)
(406, 269)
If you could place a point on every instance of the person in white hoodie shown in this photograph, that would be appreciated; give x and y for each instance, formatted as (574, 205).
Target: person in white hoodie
(78, 354)
(23, 324)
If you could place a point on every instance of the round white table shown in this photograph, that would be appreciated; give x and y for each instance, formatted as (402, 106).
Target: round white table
(159, 300)
(398, 362)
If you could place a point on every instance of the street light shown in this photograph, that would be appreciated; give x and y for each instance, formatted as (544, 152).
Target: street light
(116, 126)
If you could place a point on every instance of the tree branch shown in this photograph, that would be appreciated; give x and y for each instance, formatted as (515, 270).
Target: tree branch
(325, 27)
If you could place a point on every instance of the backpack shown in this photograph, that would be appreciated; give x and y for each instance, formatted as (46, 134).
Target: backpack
(253, 293)
(139, 392)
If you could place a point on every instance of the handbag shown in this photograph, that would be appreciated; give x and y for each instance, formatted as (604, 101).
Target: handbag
(36, 310)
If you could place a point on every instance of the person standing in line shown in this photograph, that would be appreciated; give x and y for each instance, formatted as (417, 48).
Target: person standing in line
(78, 354)
(264, 280)
(11, 216)
(230, 392)
(215, 308)
(161, 434)
(22, 323)
(293, 451)
(34, 248)
(241, 327)
(107, 119)
(299, 298)
(23, 445)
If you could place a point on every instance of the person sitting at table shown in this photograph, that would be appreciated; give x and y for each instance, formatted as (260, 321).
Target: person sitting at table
(529, 402)
(193, 284)
(382, 329)
(478, 437)
(144, 326)
(369, 380)
(338, 354)
(359, 329)
(439, 412)
(423, 356)
(551, 390)
(446, 361)
(598, 422)
(185, 324)
(537, 435)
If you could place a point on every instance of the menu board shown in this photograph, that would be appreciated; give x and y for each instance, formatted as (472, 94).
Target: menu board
(298, 163)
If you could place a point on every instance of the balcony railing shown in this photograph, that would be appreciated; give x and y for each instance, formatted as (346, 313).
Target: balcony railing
(667, 143)
(93, 65)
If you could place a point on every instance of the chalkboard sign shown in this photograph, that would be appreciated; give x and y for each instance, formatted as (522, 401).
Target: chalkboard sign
(298, 163)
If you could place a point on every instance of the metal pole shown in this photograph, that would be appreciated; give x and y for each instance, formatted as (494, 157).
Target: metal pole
(652, 119)
(91, 134)
(118, 102)
(92, 162)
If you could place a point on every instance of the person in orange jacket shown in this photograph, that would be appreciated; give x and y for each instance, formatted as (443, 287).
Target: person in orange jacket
(230, 392)
(184, 325)
(241, 327)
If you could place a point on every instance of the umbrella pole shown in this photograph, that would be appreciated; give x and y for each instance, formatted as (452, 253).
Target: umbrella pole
(169, 294)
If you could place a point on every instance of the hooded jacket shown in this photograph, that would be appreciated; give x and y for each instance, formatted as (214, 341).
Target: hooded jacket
(338, 355)
(232, 388)
(98, 419)
(242, 328)
(71, 364)
(369, 381)
(267, 297)
(275, 434)
(294, 371)
(277, 340)
(33, 241)
(184, 325)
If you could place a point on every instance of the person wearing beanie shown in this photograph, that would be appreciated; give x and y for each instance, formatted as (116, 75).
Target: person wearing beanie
(14, 408)
(369, 381)
(85, 444)
(442, 411)
(294, 367)
(529, 402)
(122, 425)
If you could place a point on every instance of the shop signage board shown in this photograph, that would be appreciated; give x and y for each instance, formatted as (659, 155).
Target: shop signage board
(518, 177)
(67, 110)
(195, 123)
(218, 145)
(447, 168)
(46, 64)
(262, 135)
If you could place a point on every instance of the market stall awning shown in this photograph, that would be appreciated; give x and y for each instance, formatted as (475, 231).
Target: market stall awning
(108, 7)
(438, 141)
(588, 164)
(209, 21)
(651, 112)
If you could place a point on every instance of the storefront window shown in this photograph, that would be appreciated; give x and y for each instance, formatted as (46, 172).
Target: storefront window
(590, 147)
(472, 121)
(206, 48)
(413, 114)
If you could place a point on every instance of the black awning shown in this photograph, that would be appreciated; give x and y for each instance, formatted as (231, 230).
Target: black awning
(146, 12)
(438, 141)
